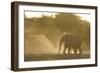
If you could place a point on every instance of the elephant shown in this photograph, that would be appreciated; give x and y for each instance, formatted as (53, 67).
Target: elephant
(70, 41)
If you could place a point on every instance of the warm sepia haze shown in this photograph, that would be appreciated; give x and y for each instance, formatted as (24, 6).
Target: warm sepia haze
(43, 32)
(30, 14)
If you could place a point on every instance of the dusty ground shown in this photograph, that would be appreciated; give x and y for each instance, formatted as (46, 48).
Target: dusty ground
(54, 57)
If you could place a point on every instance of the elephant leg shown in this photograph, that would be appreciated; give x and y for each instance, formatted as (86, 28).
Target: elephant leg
(80, 51)
(75, 50)
(69, 48)
(64, 51)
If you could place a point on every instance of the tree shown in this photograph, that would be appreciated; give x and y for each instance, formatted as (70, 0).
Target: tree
(66, 21)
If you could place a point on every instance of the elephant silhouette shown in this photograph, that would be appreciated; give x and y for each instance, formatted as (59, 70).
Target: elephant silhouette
(70, 41)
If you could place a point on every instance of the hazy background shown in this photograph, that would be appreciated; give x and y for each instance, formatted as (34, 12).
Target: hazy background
(43, 31)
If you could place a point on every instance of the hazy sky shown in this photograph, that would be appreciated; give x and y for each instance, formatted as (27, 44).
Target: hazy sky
(39, 14)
